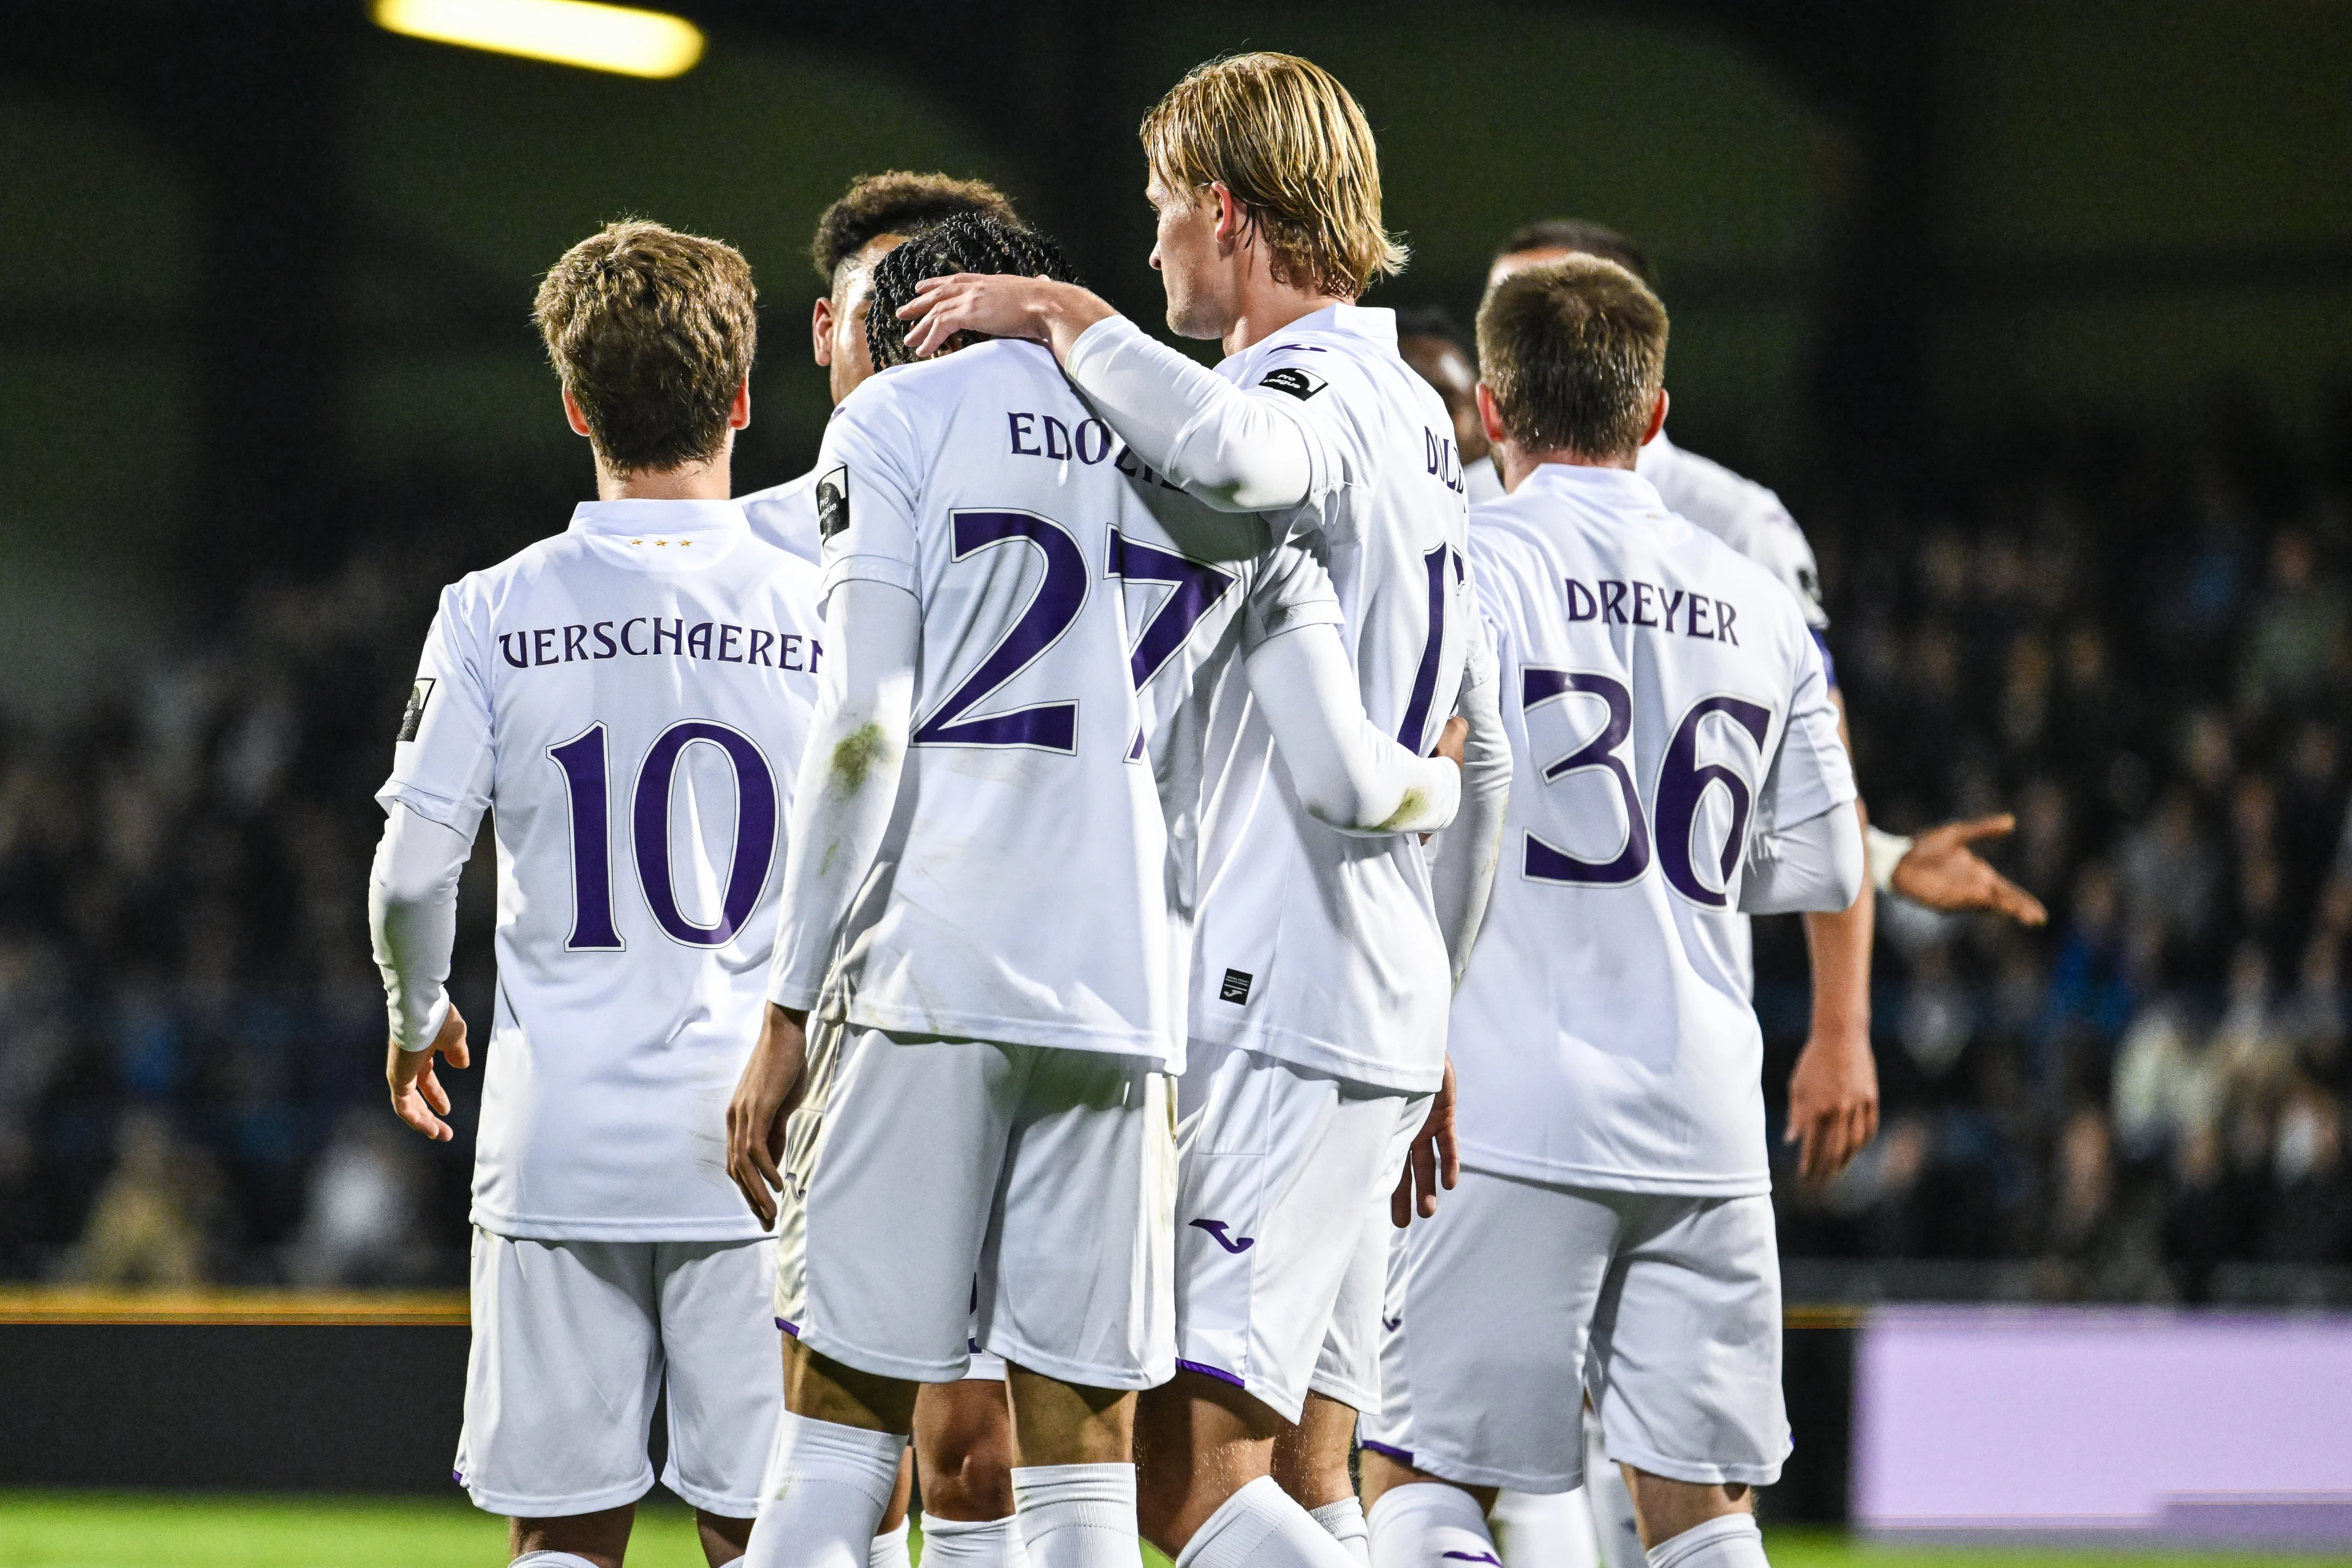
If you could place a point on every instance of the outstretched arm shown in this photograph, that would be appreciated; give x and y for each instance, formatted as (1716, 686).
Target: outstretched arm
(1349, 774)
(1235, 451)
(1937, 869)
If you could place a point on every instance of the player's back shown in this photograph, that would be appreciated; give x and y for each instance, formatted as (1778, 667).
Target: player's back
(630, 699)
(1315, 946)
(1019, 892)
(1649, 674)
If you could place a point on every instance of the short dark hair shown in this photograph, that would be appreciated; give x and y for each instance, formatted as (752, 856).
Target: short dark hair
(651, 332)
(1578, 235)
(1575, 353)
(1435, 322)
(966, 244)
(898, 200)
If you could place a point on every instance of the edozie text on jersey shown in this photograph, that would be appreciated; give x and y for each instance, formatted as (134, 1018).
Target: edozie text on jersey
(642, 636)
(1650, 605)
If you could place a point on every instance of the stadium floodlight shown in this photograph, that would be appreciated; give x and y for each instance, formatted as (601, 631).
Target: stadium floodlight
(568, 32)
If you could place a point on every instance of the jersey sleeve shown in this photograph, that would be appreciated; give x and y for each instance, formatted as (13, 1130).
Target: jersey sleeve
(868, 492)
(441, 758)
(1812, 771)
(1289, 589)
(1782, 549)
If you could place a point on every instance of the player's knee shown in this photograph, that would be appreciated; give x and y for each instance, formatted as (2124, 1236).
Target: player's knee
(968, 1469)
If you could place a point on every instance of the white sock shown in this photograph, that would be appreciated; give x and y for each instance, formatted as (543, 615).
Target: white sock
(1422, 1523)
(1545, 1530)
(889, 1550)
(1076, 1516)
(1344, 1520)
(550, 1559)
(973, 1543)
(1731, 1541)
(1262, 1523)
(825, 1491)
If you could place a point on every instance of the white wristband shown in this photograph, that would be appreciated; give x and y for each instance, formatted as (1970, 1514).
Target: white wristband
(1886, 851)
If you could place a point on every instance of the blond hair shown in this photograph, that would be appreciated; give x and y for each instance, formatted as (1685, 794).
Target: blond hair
(1287, 141)
(651, 332)
(1575, 354)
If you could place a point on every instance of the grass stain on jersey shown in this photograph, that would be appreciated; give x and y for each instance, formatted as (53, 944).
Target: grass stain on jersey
(854, 754)
(1407, 809)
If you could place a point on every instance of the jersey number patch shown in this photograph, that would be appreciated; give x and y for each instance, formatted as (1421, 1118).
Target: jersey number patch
(1051, 610)
(586, 779)
(1683, 783)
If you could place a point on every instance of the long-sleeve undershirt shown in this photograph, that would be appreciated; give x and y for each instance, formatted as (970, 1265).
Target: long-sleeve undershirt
(1462, 872)
(1818, 864)
(412, 920)
(1236, 451)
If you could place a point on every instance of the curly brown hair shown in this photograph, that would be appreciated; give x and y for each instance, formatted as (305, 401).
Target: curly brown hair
(651, 332)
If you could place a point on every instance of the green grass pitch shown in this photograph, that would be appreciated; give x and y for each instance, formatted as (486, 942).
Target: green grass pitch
(111, 1529)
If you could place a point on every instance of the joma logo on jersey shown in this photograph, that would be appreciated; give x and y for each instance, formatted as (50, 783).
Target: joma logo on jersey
(1216, 1229)
(1652, 604)
(1237, 987)
(1299, 384)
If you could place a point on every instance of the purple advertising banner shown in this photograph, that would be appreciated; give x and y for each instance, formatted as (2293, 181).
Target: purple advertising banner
(2171, 1423)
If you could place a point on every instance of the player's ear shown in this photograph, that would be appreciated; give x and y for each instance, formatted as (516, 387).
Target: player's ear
(821, 333)
(1657, 418)
(578, 421)
(1490, 419)
(739, 412)
(1232, 216)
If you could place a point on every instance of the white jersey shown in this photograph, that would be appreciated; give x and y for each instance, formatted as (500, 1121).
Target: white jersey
(1747, 516)
(1315, 947)
(785, 516)
(1664, 704)
(631, 698)
(1023, 890)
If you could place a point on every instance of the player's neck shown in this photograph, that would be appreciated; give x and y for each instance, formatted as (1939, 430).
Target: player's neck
(1267, 307)
(713, 480)
(1515, 465)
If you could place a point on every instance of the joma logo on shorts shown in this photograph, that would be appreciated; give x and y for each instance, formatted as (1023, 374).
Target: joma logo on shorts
(1216, 1229)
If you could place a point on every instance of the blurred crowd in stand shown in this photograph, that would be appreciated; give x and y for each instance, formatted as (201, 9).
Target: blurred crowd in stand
(2141, 644)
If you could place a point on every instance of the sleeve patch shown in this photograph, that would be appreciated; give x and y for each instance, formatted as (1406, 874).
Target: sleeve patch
(412, 717)
(1299, 384)
(832, 502)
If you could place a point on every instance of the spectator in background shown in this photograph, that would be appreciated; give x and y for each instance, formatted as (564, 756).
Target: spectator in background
(153, 1220)
(2311, 1217)
(2295, 655)
(359, 1223)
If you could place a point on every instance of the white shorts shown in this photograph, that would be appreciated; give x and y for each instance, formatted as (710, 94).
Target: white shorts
(1282, 1212)
(573, 1339)
(1519, 1299)
(945, 1195)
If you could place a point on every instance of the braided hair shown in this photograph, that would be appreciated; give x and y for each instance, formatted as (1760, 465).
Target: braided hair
(969, 243)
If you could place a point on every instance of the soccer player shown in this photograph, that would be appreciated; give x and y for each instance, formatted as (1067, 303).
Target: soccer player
(876, 214)
(985, 934)
(1833, 1108)
(1321, 970)
(631, 696)
(1677, 761)
(963, 1446)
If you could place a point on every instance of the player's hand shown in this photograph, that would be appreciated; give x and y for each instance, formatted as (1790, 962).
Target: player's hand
(1432, 1160)
(764, 1099)
(995, 306)
(1451, 740)
(416, 1093)
(1832, 1104)
(1942, 872)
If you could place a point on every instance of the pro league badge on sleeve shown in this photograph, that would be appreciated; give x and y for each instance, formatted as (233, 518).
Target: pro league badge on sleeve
(412, 716)
(832, 502)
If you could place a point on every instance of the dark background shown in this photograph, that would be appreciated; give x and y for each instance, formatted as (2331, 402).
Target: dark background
(2040, 318)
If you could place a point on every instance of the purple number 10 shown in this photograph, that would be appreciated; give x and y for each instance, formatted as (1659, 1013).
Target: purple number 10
(1683, 783)
(586, 778)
